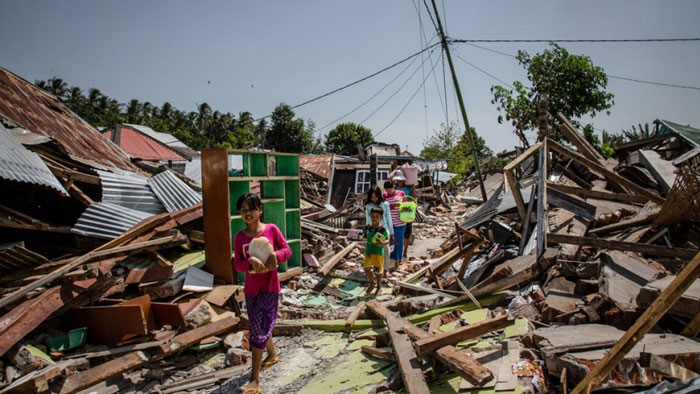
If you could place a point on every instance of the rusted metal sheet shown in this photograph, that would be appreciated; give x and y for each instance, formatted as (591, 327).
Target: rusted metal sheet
(24, 318)
(42, 113)
(168, 314)
(14, 257)
(110, 324)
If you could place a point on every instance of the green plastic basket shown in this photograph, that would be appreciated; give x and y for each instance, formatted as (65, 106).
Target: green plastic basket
(407, 210)
(73, 339)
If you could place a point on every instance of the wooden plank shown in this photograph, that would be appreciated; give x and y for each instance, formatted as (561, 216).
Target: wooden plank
(509, 172)
(355, 314)
(542, 216)
(623, 225)
(328, 266)
(409, 364)
(217, 228)
(583, 146)
(654, 250)
(156, 274)
(665, 367)
(291, 273)
(504, 284)
(381, 354)
(133, 360)
(222, 294)
(693, 327)
(599, 195)
(92, 256)
(427, 345)
(571, 204)
(460, 363)
(467, 255)
(607, 174)
(645, 323)
(515, 189)
(145, 303)
(434, 326)
(424, 289)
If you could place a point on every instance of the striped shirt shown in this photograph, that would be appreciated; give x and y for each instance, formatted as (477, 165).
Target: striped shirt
(394, 200)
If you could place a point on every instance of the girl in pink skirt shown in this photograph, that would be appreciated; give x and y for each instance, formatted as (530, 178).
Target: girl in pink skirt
(262, 286)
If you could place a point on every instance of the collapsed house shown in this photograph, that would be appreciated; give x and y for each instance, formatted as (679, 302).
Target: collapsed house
(578, 272)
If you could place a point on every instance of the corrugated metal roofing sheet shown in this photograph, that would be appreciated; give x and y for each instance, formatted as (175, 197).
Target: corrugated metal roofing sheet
(18, 163)
(42, 113)
(193, 170)
(107, 221)
(165, 138)
(172, 192)
(130, 191)
(690, 134)
(141, 146)
(14, 257)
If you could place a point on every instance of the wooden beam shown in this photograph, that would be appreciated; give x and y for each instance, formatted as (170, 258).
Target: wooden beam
(467, 255)
(460, 363)
(583, 146)
(424, 289)
(409, 365)
(623, 225)
(505, 283)
(336, 259)
(607, 174)
(96, 254)
(693, 328)
(62, 171)
(542, 216)
(355, 314)
(646, 322)
(598, 195)
(381, 354)
(291, 273)
(654, 250)
(217, 213)
(665, 367)
(92, 376)
(427, 345)
(509, 172)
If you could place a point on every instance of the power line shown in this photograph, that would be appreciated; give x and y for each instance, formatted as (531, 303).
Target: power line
(372, 97)
(655, 83)
(407, 103)
(609, 76)
(581, 40)
(484, 71)
(394, 94)
(358, 81)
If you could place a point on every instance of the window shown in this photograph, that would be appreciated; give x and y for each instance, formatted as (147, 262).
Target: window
(362, 180)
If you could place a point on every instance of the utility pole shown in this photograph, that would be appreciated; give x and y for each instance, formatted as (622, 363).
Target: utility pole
(461, 102)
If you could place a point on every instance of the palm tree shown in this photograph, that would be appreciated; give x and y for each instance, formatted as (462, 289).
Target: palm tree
(635, 134)
(57, 87)
(133, 111)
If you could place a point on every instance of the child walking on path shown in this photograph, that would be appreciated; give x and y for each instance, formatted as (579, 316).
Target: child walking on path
(400, 181)
(377, 238)
(376, 200)
(262, 285)
(394, 198)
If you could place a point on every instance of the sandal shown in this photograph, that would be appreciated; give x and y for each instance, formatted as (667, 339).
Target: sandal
(268, 364)
(252, 390)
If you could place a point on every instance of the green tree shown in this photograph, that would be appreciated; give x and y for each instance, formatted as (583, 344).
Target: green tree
(343, 139)
(448, 143)
(572, 85)
(287, 133)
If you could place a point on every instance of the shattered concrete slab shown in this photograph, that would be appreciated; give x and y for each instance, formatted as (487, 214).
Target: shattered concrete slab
(622, 278)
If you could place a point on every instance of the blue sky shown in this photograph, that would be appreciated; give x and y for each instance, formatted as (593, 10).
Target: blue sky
(257, 54)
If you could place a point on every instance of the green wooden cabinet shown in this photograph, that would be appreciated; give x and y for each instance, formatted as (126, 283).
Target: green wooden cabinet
(277, 175)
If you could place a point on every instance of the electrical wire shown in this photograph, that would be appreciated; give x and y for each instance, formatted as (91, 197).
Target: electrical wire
(654, 83)
(372, 97)
(407, 103)
(392, 96)
(483, 71)
(609, 76)
(582, 40)
(357, 81)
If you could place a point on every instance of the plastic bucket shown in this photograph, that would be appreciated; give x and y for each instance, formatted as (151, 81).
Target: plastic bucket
(407, 210)
(411, 174)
